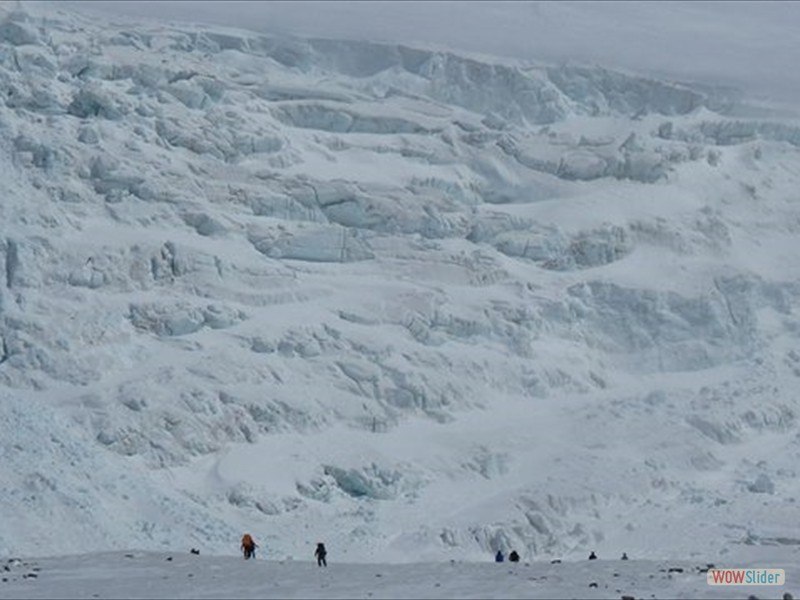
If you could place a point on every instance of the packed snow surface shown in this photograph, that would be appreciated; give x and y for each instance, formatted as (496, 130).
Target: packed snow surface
(170, 575)
(418, 304)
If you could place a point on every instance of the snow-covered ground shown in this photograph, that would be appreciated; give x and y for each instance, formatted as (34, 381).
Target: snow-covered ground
(419, 304)
(182, 575)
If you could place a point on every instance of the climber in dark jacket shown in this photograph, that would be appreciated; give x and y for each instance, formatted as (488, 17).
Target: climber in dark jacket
(499, 556)
(513, 557)
(321, 553)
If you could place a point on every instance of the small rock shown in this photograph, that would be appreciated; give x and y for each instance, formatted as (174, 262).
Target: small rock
(675, 570)
(751, 597)
(169, 558)
(593, 584)
(762, 485)
(788, 596)
(32, 575)
(628, 598)
(555, 561)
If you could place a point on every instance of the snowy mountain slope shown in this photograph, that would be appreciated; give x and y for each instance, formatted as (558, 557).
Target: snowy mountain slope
(415, 303)
(745, 45)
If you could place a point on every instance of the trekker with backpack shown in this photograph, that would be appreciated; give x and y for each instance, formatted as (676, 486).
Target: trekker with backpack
(321, 553)
(249, 546)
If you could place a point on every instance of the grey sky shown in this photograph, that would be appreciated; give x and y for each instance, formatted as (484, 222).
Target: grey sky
(750, 44)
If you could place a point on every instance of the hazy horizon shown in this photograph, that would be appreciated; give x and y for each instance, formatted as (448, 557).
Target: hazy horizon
(746, 44)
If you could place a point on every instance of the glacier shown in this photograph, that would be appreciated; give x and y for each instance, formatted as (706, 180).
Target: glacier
(420, 304)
